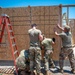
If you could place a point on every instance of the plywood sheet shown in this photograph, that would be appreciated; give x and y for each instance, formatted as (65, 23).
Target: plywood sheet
(46, 18)
(54, 10)
(35, 11)
(21, 29)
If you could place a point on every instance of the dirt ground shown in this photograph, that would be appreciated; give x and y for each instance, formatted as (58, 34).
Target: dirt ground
(43, 74)
(53, 71)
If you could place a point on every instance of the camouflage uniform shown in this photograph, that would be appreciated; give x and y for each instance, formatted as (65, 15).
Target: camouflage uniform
(47, 44)
(34, 50)
(22, 61)
(66, 50)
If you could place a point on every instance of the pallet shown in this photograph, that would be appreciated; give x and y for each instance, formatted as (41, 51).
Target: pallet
(7, 69)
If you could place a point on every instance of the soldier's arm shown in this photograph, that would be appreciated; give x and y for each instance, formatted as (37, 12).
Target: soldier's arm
(61, 28)
(42, 45)
(56, 33)
(53, 43)
(40, 36)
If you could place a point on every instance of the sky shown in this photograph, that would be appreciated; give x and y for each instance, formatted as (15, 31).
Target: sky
(26, 3)
(22, 3)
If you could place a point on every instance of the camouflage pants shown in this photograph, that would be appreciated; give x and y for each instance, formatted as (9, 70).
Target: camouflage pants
(48, 59)
(35, 58)
(63, 54)
(21, 63)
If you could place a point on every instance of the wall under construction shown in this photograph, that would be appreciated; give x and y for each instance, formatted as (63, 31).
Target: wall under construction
(72, 25)
(46, 17)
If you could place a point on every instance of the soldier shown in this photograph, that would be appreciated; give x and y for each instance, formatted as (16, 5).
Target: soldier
(48, 51)
(22, 62)
(66, 49)
(34, 50)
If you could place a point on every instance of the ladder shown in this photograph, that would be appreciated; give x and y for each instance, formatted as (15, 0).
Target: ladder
(5, 23)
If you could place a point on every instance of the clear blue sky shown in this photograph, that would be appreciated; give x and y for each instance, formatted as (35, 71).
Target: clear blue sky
(25, 3)
(22, 3)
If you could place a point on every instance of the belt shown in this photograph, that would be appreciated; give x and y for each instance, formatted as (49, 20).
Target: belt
(67, 46)
(34, 45)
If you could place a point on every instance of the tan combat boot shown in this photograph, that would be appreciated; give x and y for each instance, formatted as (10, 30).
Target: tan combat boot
(73, 71)
(32, 73)
(61, 70)
(47, 73)
(53, 65)
(39, 73)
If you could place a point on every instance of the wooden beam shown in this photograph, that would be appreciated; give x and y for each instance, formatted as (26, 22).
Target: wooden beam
(73, 5)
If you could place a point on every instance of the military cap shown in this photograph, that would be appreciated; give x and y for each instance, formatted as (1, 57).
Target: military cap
(67, 27)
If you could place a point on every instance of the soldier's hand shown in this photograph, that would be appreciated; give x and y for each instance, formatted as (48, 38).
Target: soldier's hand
(58, 25)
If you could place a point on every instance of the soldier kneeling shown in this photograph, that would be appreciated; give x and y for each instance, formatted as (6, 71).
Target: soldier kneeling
(22, 62)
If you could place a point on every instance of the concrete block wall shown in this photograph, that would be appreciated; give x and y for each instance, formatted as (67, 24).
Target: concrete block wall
(46, 17)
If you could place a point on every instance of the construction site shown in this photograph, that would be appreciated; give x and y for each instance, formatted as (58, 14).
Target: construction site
(20, 20)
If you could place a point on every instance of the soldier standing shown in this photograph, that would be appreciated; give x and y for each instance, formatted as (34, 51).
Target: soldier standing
(48, 51)
(34, 50)
(66, 49)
